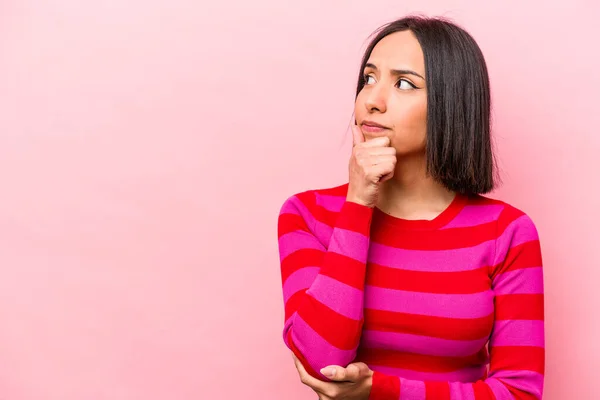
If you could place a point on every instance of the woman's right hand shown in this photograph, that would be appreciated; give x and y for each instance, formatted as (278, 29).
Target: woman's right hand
(372, 163)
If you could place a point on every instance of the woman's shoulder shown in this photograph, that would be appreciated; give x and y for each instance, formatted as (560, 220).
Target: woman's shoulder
(506, 214)
(335, 191)
(304, 209)
(331, 198)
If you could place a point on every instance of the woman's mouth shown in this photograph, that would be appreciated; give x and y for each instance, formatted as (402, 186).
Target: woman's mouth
(372, 127)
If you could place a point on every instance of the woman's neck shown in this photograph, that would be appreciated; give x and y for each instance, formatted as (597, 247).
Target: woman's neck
(411, 194)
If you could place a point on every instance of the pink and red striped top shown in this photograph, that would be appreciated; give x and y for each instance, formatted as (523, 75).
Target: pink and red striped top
(450, 308)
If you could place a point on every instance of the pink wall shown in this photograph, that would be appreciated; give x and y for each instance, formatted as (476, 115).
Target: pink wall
(145, 149)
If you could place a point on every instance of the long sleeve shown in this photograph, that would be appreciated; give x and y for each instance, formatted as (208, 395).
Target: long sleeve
(323, 282)
(516, 344)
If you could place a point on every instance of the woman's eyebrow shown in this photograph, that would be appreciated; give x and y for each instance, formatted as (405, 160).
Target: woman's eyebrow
(396, 72)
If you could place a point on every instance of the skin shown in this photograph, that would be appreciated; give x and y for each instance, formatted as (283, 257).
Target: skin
(387, 169)
(350, 383)
(399, 102)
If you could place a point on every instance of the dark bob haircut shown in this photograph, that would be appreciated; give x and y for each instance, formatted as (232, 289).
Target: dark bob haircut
(458, 143)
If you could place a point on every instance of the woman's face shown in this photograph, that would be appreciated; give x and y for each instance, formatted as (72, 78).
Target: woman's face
(394, 95)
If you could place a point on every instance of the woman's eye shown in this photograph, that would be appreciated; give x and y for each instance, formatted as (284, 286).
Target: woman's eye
(369, 79)
(404, 84)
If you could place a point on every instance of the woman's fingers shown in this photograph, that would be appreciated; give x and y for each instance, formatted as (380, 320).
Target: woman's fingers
(383, 141)
(357, 135)
(307, 379)
(370, 161)
(352, 373)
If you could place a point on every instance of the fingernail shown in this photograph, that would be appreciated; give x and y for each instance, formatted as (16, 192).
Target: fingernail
(329, 372)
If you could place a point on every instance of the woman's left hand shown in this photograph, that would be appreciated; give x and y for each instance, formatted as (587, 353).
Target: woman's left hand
(350, 383)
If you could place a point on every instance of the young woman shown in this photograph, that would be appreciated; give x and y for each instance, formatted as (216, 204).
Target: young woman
(406, 282)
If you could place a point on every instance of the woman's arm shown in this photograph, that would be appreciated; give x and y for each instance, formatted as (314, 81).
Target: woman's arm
(323, 285)
(517, 342)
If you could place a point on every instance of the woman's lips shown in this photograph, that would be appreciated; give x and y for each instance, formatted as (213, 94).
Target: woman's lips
(373, 129)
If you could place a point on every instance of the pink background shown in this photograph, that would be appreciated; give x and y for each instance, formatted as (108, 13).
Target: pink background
(145, 150)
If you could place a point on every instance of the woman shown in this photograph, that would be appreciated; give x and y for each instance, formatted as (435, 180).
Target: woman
(406, 282)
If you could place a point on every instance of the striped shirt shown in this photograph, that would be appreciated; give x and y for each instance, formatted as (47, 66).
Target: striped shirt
(449, 308)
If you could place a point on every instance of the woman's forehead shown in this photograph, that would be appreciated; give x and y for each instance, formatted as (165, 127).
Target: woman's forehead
(398, 50)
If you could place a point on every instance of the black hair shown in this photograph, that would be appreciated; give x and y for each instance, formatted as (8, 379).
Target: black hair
(458, 144)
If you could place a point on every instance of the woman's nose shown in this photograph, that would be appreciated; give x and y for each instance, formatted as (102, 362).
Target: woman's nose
(377, 99)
